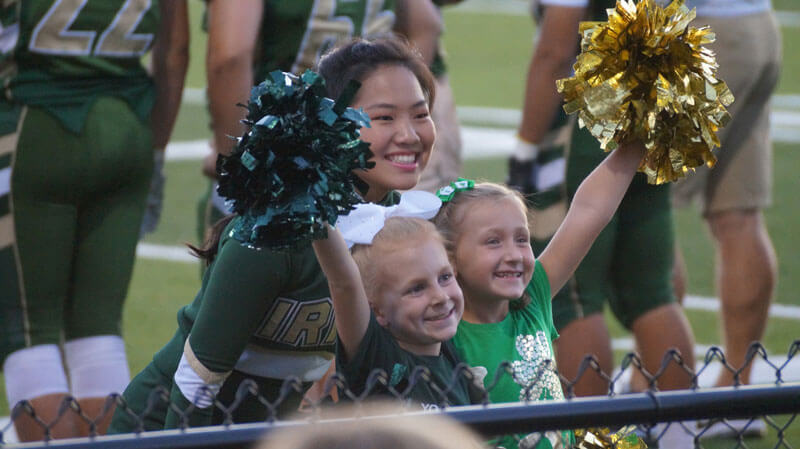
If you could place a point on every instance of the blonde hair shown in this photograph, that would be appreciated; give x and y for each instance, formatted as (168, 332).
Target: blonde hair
(450, 218)
(395, 232)
(382, 426)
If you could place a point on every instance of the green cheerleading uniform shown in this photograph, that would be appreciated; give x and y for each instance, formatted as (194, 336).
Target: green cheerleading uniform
(439, 64)
(75, 164)
(260, 314)
(293, 35)
(524, 339)
(630, 263)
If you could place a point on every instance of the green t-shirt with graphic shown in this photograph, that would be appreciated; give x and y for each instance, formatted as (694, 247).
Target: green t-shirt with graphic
(61, 55)
(524, 339)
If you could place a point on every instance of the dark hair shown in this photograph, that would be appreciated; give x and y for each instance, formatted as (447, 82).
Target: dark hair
(354, 60)
(211, 244)
(357, 59)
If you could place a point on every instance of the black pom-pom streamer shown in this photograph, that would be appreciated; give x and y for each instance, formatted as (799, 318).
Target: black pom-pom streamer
(292, 170)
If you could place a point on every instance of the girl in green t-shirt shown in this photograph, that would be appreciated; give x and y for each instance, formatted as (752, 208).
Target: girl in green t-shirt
(507, 292)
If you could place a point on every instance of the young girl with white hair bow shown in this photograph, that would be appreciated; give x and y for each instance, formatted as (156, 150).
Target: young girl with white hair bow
(396, 300)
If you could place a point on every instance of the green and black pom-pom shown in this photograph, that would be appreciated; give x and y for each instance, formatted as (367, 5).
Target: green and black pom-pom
(292, 171)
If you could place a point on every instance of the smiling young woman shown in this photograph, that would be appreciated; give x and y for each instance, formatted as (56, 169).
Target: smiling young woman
(268, 315)
(401, 134)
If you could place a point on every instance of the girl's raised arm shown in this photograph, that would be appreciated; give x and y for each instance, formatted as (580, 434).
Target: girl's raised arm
(350, 302)
(594, 204)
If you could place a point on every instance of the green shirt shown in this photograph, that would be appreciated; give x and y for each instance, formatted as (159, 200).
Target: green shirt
(379, 351)
(68, 53)
(524, 338)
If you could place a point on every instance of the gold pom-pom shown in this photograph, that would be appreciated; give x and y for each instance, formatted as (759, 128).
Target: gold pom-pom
(603, 438)
(645, 75)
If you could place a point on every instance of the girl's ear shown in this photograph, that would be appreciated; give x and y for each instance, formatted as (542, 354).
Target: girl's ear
(379, 316)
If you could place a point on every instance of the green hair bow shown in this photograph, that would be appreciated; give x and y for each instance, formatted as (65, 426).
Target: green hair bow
(447, 192)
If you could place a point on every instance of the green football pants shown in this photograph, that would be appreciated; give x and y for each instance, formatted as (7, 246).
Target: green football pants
(70, 210)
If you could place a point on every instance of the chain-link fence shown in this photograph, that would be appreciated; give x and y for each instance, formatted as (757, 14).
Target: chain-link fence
(757, 416)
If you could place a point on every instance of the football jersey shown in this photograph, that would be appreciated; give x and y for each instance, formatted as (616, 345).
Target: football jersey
(294, 34)
(597, 8)
(61, 54)
(727, 8)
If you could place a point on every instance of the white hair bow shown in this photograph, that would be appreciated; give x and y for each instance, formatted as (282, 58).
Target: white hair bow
(367, 219)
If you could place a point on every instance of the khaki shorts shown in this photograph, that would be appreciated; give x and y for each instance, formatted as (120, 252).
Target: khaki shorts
(444, 165)
(748, 52)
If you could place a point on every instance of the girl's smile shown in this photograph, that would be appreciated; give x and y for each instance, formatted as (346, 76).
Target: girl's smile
(493, 258)
(404, 161)
(420, 301)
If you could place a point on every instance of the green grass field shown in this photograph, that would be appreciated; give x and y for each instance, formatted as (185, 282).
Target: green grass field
(487, 69)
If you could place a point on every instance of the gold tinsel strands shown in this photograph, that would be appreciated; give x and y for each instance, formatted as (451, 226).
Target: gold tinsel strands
(645, 75)
(603, 439)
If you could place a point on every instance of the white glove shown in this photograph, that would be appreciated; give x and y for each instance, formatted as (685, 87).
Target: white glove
(155, 198)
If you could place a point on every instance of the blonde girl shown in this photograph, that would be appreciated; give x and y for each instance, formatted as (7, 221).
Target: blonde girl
(507, 291)
(397, 301)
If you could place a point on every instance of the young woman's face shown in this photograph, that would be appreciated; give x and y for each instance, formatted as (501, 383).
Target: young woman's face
(401, 134)
(493, 253)
(420, 301)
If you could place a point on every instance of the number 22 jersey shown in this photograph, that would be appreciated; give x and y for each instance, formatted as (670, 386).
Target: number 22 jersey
(62, 54)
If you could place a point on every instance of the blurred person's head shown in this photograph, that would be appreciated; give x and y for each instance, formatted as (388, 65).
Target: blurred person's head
(379, 426)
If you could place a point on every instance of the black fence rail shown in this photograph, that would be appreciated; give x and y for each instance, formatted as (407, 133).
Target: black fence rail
(772, 408)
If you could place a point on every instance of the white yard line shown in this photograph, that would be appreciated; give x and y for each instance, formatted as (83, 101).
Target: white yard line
(507, 7)
(763, 372)
(197, 96)
(490, 131)
(187, 150)
(712, 305)
(523, 8)
(785, 113)
(692, 302)
(9, 436)
(788, 19)
(786, 101)
(166, 253)
(484, 141)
